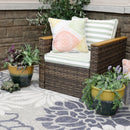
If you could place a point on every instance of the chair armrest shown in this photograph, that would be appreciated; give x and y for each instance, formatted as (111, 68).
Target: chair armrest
(109, 41)
(45, 44)
(105, 53)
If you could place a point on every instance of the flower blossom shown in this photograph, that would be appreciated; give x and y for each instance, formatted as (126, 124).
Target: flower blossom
(109, 68)
(119, 77)
(117, 68)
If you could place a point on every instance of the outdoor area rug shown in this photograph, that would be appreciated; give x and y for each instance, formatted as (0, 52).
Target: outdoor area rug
(34, 108)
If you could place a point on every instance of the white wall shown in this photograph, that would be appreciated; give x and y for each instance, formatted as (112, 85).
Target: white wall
(111, 2)
(93, 2)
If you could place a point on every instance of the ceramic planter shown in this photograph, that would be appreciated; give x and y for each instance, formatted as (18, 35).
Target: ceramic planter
(21, 76)
(107, 97)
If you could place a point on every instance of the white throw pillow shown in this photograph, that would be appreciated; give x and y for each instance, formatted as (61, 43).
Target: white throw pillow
(68, 35)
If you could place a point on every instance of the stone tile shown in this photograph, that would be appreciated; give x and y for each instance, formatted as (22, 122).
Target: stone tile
(11, 40)
(6, 22)
(14, 32)
(3, 32)
(32, 34)
(18, 22)
(2, 14)
(16, 14)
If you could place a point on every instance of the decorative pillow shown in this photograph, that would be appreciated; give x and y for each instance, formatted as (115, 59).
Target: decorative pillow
(99, 30)
(68, 35)
(126, 67)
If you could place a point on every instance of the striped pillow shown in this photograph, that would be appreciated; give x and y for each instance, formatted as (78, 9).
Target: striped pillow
(99, 30)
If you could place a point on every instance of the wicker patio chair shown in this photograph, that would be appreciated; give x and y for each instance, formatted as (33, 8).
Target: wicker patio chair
(68, 79)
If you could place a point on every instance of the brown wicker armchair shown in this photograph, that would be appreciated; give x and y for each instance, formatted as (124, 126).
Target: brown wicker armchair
(67, 79)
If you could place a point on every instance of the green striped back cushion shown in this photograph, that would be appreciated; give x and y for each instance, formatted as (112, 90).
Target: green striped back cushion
(100, 30)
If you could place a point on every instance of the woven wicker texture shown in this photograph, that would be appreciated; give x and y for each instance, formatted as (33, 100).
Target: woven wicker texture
(67, 79)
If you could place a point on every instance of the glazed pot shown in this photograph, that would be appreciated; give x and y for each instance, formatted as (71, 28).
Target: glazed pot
(107, 97)
(20, 75)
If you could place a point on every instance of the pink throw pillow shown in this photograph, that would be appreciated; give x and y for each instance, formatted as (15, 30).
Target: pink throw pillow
(126, 67)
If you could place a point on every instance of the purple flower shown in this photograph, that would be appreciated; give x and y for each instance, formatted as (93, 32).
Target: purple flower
(119, 77)
(12, 46)
(119, 70)
(6, 59)
(118, 66)
(10, 49)
(109, 67)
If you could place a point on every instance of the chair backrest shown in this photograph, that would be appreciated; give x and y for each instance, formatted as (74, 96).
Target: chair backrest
(99, 30)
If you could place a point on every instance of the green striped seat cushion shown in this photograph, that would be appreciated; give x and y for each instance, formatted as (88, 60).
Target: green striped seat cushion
(99, 30)
(72, 59)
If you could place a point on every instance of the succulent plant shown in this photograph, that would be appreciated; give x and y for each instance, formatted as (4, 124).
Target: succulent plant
(10, 86)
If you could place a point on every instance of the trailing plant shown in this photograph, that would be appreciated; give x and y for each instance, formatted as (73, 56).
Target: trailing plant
(23, 57)
(112, 80)
(62, 9)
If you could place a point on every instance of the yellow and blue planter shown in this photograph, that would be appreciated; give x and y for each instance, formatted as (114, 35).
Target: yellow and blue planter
(107, 97)
(21, 76)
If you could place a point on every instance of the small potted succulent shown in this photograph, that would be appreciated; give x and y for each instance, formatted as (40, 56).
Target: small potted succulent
(20, 64)
(104, 92)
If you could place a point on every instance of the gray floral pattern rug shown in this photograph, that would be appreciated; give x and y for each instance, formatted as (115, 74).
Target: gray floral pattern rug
(33, 108)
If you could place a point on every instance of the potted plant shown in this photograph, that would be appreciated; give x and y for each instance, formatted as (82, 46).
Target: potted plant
(104, 92)
(61, 9)
(20, 64)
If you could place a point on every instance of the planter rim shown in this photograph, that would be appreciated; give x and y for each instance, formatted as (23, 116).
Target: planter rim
(17, 66)
(107, 95)
(123, 87)
(14, 70)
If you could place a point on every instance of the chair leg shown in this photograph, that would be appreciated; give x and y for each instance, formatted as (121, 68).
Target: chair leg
(41, 76)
